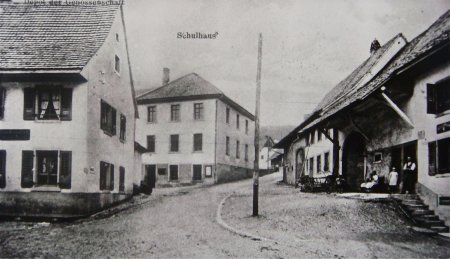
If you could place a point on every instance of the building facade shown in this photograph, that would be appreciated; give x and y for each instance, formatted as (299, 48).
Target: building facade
(67, 110)
(194, 134)
(394, 106)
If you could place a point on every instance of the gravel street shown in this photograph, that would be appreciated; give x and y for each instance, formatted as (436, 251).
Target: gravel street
(182, 223)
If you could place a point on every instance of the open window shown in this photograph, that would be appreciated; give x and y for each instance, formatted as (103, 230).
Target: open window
(438, 97)
(108, 118)
(48, 103)
(438, 156)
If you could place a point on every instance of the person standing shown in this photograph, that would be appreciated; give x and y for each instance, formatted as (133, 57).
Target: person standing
(393, 179)
(409, 176)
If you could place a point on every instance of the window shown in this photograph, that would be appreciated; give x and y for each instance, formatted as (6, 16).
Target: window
(313, 136)
(2, 102)
(319, 163)
(238, 152)
(237, 121)
(319, 135)
(175, 112)
(246, 126)
(378, 157)
(117, 37)
(46, 168)
(198, 142)
(307, 140)
(198, 111)
(2, 168)
(173, 172)
(47, 103)
(439, 153)
(227, 146)
(311, 165)
(151, 143)
(246, 152)
(123, 127)
(174, 143)
(106, 176)
(438, 97)
(227, 115)
(117, 64)
(151, 114)
(108, 118)
(121, 179)
(326, 162)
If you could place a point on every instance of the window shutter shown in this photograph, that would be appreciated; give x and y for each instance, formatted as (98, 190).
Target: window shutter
(2, 102)
(65, 170)
(432, 167)
(2, 168)
(103, 167)
(29, 103)
(431, 99)
(121, 179)
(66, 104)
(113, 121)
(27, 169)
(111, 186)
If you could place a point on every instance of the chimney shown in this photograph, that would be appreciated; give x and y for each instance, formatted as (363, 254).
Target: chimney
(166, 76)
(374, 46)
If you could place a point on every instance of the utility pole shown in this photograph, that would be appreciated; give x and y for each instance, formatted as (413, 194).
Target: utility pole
(258, 97)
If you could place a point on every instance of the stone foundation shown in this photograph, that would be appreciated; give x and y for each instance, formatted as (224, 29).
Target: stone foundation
(56, 204)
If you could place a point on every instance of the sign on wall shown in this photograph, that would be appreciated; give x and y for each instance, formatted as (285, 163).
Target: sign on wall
(14, 135)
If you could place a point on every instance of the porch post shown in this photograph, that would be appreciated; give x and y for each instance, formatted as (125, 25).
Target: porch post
(335, 152)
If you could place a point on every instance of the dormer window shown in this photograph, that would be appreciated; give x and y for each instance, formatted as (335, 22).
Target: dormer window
(117, 64)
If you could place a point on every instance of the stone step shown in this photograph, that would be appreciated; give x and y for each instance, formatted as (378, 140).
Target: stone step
(427, 217)
(431, 223)
(415, 206)
(440, 229)
(420, 212)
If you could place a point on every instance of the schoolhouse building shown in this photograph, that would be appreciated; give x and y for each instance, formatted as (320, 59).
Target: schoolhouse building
(194, 133)
(67, 110)
(393, 106)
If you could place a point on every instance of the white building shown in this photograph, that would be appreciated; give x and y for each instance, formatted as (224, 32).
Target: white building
(194, 133)
(67, 110)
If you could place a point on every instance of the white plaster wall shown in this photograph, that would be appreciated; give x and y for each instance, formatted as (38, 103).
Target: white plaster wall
(44, 135)
(185, 128)
(104, 83)
(440, 184)
(229, 129)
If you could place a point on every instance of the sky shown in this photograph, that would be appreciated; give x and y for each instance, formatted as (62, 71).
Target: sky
(308, 45)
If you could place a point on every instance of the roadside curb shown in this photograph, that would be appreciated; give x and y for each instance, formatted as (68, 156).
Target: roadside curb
(231, 229)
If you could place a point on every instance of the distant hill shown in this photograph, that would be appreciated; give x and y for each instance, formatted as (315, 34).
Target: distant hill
(276, 132)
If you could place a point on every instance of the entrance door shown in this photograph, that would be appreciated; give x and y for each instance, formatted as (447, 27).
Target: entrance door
(197, 172)
(150, 175)
(299, 163)
(353, 160)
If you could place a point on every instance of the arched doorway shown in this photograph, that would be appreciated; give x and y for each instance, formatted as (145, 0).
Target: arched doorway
(299, 161)
(353, 160)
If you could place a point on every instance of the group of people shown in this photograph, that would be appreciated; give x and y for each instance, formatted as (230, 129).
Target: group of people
(409, 179)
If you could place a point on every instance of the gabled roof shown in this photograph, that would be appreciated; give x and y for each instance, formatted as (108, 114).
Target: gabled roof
(189, 87)
(52, 37)
(435, 37)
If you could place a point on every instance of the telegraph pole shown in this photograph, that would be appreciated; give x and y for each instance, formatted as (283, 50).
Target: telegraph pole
(258, 97)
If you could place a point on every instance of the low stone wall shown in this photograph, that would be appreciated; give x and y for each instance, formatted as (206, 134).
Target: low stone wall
(432, 200)
(227, 173)
(55, 204)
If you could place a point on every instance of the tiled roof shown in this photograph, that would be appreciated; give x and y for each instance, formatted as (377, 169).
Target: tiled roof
(46, 37)
(188, 87)
(428, 41)
(433, 38)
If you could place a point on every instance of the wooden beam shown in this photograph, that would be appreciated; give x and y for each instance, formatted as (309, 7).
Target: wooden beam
(397, 109)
